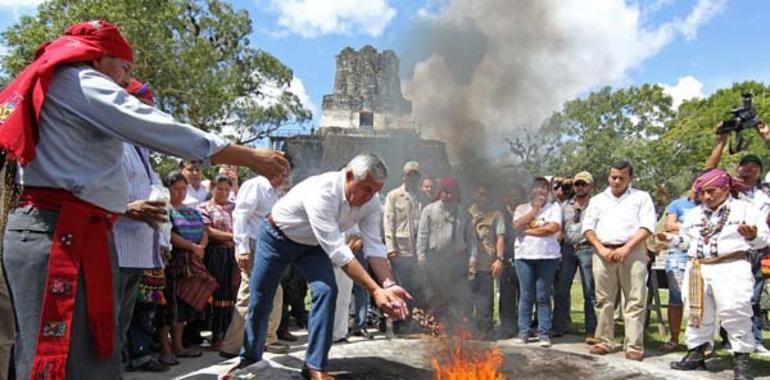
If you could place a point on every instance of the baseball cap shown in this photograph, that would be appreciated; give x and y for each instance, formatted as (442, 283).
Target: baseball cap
(583, 176)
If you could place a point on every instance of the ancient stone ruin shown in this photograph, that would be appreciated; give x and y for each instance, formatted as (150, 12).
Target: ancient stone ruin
(367, 92)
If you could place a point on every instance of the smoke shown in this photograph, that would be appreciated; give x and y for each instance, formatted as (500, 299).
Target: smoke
(488, 68)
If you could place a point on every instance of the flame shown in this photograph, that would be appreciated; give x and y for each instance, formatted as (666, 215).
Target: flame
(459, 360)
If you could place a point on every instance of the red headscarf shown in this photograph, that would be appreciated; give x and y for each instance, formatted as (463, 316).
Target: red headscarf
(140, 90)
(22, 100)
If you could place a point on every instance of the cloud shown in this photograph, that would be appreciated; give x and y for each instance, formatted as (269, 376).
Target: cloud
(312, 18)
(19, 3)
(298, 88)
(686, 88)
(528, 62)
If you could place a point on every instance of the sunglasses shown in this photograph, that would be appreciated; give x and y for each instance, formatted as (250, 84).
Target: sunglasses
(580, 184)
(576, 217)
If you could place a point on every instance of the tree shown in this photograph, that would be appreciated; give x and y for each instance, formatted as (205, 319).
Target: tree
(195, 53)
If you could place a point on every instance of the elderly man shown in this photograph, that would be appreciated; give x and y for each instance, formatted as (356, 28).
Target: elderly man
(305, 228)
(749, 172)
(256, 198)
(65, 119)
(444, 253)
(428, 189)
(403, 206)
(577, 254)
(718, 234)
(616, 224)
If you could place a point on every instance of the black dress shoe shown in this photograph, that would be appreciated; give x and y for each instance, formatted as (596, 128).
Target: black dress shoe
(341, 340)
(227, 355)
(151, 366)
(286, 336)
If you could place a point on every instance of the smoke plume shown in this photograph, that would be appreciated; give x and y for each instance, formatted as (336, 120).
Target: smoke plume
(489, 67)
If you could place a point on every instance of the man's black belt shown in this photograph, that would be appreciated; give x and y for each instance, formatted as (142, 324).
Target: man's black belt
(613, 246)
(275, 226)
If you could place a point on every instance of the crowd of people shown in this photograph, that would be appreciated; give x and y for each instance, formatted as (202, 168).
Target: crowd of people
(106, 263)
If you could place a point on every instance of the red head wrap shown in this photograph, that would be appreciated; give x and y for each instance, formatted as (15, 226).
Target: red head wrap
(21, 101)
(449, 184)
(717, 178)
(140, 90)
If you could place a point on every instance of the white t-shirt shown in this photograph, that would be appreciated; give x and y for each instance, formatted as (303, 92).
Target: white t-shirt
(538, 247)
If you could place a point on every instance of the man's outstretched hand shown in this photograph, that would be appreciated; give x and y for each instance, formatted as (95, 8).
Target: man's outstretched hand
(393, 301)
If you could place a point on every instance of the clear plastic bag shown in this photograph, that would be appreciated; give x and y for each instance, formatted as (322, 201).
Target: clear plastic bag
(160, 193)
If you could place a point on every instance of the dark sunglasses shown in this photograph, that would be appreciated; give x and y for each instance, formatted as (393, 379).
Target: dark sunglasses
(576, 217)
(580, 184)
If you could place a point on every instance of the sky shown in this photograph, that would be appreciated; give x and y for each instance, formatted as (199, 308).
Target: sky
(690, 47)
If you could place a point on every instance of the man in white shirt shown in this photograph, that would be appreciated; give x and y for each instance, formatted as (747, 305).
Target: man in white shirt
(252, 205)
(718, 235)
(197, 191)
(616, 224)
(305, 229)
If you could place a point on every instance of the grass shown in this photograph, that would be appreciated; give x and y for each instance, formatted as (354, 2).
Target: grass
(652, 339)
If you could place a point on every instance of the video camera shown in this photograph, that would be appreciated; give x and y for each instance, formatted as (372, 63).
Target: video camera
(743, 117)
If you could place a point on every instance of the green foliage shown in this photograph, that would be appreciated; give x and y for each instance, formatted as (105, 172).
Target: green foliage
(195, 53)
(667, 146)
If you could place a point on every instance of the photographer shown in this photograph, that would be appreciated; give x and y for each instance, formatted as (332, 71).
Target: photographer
(749, 171)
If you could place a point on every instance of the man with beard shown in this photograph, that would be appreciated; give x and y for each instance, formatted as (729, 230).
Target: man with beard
(489, 229)
(577, 253)
(403, 206)
(718, 234)
(749, 171)
(443, 252)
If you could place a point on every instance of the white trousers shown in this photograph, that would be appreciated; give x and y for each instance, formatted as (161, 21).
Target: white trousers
(344, 295)
(727, 290)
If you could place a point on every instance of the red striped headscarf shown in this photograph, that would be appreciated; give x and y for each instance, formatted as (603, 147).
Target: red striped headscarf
(717, 178)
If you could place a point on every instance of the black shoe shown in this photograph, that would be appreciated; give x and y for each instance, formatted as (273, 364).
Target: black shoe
(363, 334)
(341, 341)
(151, 366)
(695, 359)
(742, 370)
(227, 355)
(286, 336)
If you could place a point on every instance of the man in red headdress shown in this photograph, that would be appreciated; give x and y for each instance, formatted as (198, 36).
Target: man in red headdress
(718, 235)
(64, 119)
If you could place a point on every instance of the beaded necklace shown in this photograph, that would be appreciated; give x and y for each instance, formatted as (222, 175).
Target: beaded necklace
(710, 231)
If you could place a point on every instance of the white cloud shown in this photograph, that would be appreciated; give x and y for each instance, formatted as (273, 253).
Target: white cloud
(312, 18)
(532, 60)
(298, 88)
(686, 88)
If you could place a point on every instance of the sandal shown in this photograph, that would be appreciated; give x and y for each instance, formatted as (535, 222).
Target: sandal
(188, 353)
(668, 346)
(168, 361)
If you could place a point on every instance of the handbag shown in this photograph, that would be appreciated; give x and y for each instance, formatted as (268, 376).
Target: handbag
(196, 286)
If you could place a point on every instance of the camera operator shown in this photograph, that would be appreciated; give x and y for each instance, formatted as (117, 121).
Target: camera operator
(749, 171)
(562, 189)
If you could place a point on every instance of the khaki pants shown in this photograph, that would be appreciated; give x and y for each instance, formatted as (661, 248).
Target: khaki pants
(7, 328)
(631, 276)
(233, 340)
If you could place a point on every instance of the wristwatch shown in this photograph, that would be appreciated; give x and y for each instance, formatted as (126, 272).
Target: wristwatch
(389, 284)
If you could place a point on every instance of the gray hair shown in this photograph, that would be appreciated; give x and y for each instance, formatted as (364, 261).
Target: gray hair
(363, 164)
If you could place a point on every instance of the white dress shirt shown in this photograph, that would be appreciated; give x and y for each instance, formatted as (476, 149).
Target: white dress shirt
(616, 220)
(758, 198)
(254, 201)
(728, 240)
(196, 197)
(315, 212)
(539, 247)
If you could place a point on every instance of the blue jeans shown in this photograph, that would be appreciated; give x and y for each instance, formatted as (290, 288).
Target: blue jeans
(273, 254)
(571, 262)
(360, 298)
(676, 262)
(536, 284)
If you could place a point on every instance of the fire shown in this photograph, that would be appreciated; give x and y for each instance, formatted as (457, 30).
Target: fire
(459, 359)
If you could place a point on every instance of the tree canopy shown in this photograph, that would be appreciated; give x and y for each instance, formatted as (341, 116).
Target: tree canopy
(667, 146)
(196, 54)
